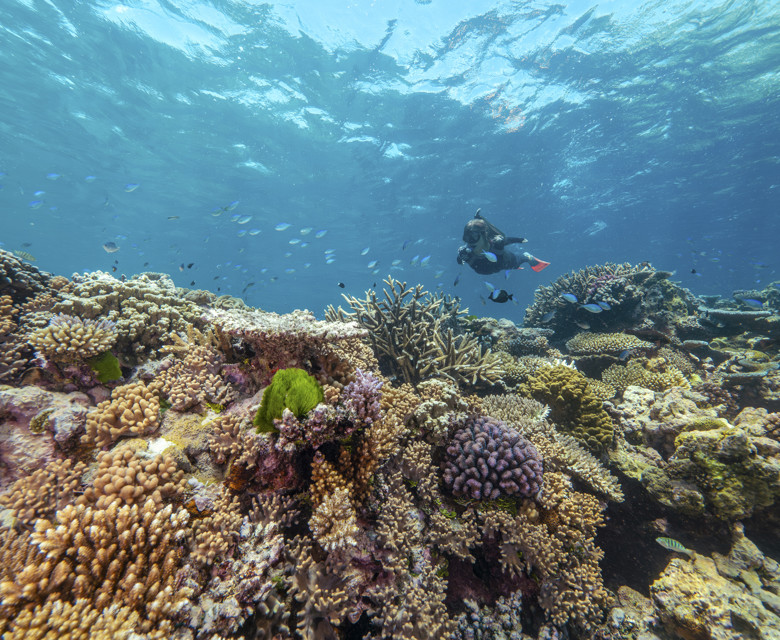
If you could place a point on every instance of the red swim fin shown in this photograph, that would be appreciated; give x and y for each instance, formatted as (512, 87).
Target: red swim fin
(537, 265)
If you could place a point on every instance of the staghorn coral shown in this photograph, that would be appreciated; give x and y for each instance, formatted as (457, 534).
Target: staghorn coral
(487, 460)
(561, 452)
(134, 409)
(656, 374)
(146, 309)
(121, 555)
(414, 335)
(573, 406)
(605, 343)
(123, 475)
(71, 339)
(44, 492)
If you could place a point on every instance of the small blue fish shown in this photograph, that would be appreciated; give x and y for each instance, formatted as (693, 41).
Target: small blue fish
(241, 233)
(244, 219)
(424, 262)
(592, 307)
(306, 231)
(320, 233)
(569, 297)
(52, 176)
(365, 251)
(624, 355)
(36, 204)
(414, 260)
(547, 317)
(282, 226)
(491, 257)
(232, 205)
(90, 178)
(603, 305)
(457, 280)
(490, 286)
(506, 274)
(294, 241)
(752, 303)
(406, 244)
(235, 217)
(289, 270)
(254, 232)
(330, 261)
(38, 194)
(673, 545)
(372, 264)
(131, 186)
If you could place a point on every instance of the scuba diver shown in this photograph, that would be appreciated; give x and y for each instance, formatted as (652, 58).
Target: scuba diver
(485, 252)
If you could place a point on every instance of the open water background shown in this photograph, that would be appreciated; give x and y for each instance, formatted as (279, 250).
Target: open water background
(603, 132)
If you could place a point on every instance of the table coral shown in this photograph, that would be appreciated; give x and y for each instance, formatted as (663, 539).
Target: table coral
(487, 460)
(573, 405)
(134, 409)
(71, 339)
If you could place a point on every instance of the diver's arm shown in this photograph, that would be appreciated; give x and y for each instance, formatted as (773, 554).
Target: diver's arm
(514, 240)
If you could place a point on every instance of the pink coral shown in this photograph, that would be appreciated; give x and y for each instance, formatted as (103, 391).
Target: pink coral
(361, 397)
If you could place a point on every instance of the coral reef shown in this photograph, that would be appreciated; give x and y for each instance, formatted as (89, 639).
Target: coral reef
(416, 336)
(573, 406)
(67, 338)
(487, 460)
(610, 343)
(656, 374)
(134, 409)
(19, 279)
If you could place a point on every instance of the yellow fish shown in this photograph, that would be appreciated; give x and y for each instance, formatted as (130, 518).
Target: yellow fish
(25, 256)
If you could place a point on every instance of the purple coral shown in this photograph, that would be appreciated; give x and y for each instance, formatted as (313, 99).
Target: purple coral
(361, 397)
(487, 460)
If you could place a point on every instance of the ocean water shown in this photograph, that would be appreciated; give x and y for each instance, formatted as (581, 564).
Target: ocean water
(300, 145)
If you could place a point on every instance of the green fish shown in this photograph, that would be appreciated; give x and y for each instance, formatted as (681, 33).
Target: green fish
(673, 545)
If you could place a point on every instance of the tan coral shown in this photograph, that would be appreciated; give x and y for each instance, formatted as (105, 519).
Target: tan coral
(7, 312)
(46, 490)
(223, 442)
(71, 339)
(334, 522)
(212, 536)
(133, 410)
(605, 343)
(121, 555)
(656, 374)
(124, 475)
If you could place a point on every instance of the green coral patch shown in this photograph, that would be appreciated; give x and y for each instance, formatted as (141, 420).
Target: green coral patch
(292, 389)
(106, 366)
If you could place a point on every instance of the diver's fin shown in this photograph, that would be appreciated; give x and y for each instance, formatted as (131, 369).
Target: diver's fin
(537, 265)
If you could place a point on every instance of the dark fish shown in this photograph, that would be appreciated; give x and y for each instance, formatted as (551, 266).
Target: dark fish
(249, 284)
(216, 277)
(26, 244)
(173, 217)
(499, 295)
(219, 288)
(374, 285)
(406, 244)
(146, 264)
(192, 283)
(457, 280)
(181, 267)
(113, 269)
(341, 284)
(189, 266)
(110, 247)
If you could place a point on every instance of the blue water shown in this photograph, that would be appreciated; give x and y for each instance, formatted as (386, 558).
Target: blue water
(614, 131)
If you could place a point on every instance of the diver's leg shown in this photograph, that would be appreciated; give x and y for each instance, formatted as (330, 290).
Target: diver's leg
(535, 264)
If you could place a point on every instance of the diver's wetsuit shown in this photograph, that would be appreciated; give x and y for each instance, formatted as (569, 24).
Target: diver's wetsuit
(480, 237)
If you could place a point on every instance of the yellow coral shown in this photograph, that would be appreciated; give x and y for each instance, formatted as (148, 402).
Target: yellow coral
(656, 374)
(67, 338)
(601, 343)
(133, 410)
(573, 405)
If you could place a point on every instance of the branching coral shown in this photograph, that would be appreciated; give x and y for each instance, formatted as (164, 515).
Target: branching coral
(118, 555)
(334, 522)
(414, 335)
(45, 491)
(71, 339)
(487, 460)
(133, 409)
(573, 406)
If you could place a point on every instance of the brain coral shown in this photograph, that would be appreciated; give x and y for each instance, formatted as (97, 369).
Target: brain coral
(487, 460)
(573, 404)
(68, 338)
(599, 343)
